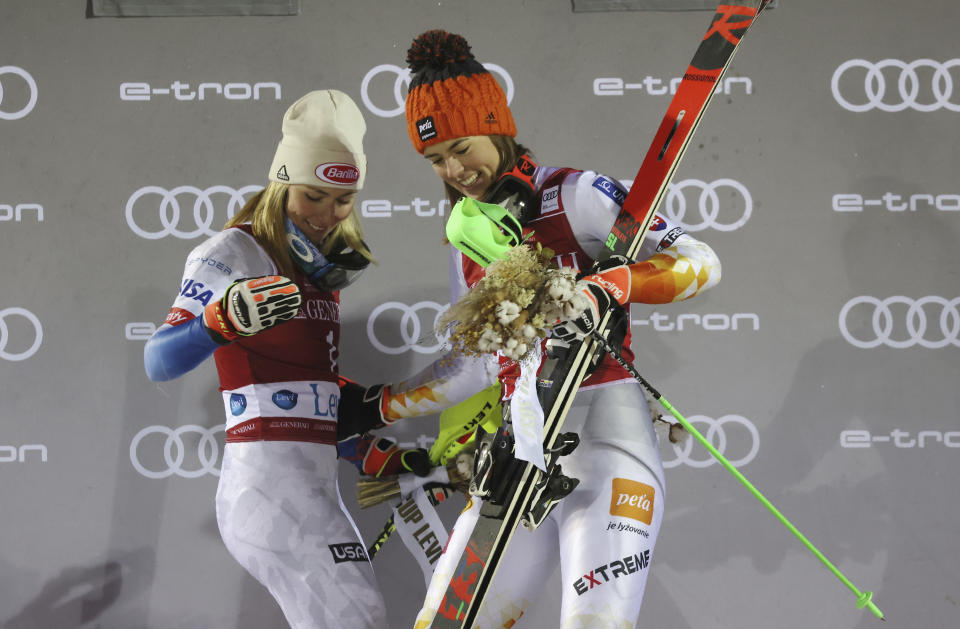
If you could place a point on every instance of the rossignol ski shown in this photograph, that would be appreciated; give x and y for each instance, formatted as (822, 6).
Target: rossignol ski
(523, 493)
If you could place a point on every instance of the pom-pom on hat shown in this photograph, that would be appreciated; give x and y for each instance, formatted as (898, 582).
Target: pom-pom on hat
(322, 143)
(451, 94)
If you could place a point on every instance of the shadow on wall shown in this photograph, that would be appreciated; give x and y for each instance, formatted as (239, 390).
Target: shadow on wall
(79, 595)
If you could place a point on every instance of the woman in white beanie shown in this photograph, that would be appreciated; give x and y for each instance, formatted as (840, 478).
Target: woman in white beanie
(282, 260)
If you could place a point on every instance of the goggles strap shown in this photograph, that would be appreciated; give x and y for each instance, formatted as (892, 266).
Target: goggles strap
(514, 189)
(329, 273)
(306, 254)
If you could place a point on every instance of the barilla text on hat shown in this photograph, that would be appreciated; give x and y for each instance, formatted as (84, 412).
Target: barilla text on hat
(338, 173)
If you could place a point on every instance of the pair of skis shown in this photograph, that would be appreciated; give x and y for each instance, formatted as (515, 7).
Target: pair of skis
(527, 498)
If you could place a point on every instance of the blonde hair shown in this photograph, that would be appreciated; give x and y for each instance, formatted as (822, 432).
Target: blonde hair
(266, 211)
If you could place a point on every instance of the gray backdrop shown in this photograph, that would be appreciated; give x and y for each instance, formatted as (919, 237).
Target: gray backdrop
(825, 364)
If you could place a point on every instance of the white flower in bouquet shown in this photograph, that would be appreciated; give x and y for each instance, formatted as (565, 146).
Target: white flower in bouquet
(514, 349)
(572, 308)
(507, 311)
(489, 341)
(561, 286)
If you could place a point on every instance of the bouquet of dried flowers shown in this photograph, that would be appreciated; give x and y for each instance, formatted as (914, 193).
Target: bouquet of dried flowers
(518, 301)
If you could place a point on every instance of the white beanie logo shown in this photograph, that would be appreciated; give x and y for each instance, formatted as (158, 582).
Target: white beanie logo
(338, 173)
(282, 173)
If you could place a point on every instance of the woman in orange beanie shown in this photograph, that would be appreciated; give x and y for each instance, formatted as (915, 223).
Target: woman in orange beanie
(603, 533)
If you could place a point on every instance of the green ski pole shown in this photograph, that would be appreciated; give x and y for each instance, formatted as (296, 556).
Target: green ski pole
(864, 599)
(388, 530)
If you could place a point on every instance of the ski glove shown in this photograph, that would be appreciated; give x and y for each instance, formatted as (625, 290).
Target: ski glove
(380, 456)
(606, 284)
(361, 408)
(251, 305)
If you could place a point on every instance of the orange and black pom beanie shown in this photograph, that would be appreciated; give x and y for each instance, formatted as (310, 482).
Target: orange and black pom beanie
(451, 94)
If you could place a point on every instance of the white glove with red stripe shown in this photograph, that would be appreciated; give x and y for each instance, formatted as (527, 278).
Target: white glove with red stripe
(607, 283)
(251, 305)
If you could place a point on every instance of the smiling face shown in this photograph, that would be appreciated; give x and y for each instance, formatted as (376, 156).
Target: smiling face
(317, 210)
(469, 164)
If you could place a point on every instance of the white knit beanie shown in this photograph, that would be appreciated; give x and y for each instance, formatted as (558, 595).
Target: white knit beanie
(322, 143)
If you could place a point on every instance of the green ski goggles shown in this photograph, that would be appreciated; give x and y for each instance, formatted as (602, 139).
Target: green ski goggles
(483, 232)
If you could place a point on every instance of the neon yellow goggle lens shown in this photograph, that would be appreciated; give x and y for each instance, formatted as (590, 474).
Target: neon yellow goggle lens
(483, 232)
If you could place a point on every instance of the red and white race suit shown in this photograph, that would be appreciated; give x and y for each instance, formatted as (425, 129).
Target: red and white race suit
(603, 534)
(278, 505)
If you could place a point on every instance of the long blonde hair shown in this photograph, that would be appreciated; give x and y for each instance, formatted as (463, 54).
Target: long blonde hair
(266, 212)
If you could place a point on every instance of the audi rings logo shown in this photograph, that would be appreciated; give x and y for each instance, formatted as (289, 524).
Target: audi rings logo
(922, 85)
(415, 329)
(730, 432)
(31, 99)
(6, 315)
(901, 321)
(708, 203)
(167, 453)
(142, 215)
(401, 81)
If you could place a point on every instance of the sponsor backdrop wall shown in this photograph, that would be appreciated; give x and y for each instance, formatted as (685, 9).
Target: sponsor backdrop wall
(825, 364)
